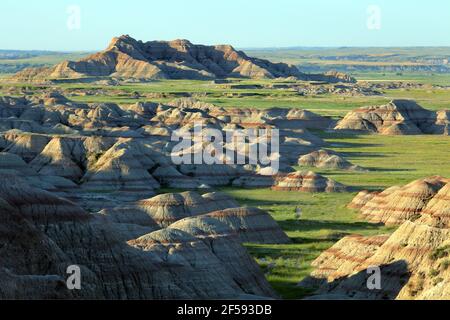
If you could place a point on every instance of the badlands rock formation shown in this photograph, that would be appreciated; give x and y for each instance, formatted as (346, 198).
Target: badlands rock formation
(399, 117)
(207, 244)
(397, 204)
(80, 181)
(47, 234)
(334, 77)
(307, 181)
(165, 209)
(328, 160)
(127, 148)
(127, 58)
(79, 184)
(252, 225)
(414, 260)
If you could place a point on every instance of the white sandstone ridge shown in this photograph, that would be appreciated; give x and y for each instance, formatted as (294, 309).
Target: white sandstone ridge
(126, 57)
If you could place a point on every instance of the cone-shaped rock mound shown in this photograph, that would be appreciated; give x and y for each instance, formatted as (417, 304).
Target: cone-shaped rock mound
(361, 199)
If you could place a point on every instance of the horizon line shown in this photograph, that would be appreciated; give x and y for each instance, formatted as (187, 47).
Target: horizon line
(255, 48)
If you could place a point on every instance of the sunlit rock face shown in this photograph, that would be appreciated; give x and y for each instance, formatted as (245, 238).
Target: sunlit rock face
(126, 57)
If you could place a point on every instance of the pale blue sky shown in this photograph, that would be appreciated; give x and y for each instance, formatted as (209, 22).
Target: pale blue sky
(30, 24)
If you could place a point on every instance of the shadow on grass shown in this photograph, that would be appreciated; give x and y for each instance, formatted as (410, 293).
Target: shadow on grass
(328, 240)
(316, 225)
(262, 203)
(395, 276)
(352, 145)
(375, 169)
(291, 291)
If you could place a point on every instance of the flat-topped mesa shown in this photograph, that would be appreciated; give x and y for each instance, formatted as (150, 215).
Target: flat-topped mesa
(399, 117)
(126, 57)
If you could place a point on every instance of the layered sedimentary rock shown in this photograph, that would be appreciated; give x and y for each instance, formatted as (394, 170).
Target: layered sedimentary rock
(35, 204)
(170, 177)
(27, 146)
(413, 260)
(343, 258)
(122, 167)
(252, 225)
(327, 159)
(397, 204)
(15, 164)
(57, 159)
(81, 177)
(334, 77)
(165, 209)
(361, 199)
(31, 264)
(47, 234)
(128, 147)
(126, 57)
(254, 181)
(307, 181)
(205, 244)
(399, 117)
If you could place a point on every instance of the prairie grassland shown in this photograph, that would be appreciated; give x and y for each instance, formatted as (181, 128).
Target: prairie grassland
(48, 59)
(426, 78)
